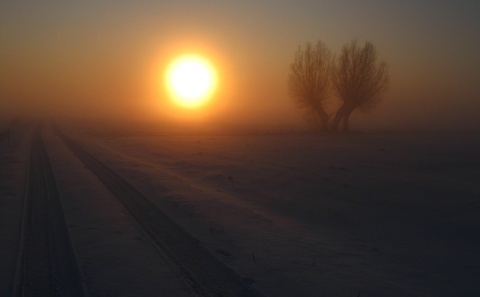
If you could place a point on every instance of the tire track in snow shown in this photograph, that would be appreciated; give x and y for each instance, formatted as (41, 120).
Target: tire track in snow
(202, 272)
(46, 264)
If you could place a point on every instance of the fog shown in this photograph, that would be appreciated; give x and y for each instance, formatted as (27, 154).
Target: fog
(96, 61)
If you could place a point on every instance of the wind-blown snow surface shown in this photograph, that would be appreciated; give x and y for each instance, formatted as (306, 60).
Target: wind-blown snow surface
(14, 156)
(303, 215)
(310, 215)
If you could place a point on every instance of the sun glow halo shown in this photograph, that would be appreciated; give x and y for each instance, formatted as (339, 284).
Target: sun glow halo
(191, 80)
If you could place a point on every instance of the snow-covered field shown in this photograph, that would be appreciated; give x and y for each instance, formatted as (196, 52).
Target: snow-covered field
(14, 156)
(302, 214)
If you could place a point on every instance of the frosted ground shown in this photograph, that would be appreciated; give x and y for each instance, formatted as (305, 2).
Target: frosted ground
(302, 214)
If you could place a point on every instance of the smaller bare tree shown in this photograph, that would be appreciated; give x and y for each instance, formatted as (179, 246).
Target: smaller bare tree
(309, 81)
(358, 79)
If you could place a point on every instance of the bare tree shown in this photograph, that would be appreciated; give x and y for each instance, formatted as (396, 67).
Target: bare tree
(358, 79)
(309, 81)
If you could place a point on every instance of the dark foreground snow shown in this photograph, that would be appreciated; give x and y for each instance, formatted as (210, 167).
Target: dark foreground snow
(302, 215)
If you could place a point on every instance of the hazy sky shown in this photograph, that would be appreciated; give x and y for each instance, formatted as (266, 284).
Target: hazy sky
(109, 55)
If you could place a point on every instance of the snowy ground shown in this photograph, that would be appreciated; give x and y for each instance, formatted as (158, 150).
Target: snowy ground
(14, 156)
(303, 215)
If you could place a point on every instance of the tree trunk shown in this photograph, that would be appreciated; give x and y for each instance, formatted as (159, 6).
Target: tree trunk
(346, 118)
(338, 117)
(323, 118)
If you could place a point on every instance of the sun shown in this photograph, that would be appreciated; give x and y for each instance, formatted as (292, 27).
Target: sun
(191, 80)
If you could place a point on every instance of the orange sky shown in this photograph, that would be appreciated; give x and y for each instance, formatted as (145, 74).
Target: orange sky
(107, 58)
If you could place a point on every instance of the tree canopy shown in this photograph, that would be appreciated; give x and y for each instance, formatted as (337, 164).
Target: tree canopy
(309, 80)
(356, 76)
(358, 79)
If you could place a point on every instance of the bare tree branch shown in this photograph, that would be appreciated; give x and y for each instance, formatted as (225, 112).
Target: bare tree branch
(309, 80)
(358, 79)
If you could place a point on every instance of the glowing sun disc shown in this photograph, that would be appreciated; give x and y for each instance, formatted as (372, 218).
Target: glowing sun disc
(191, 80)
